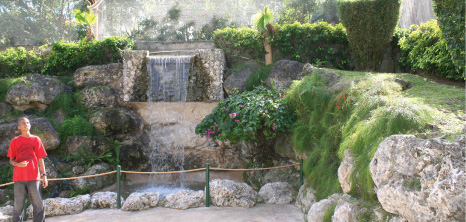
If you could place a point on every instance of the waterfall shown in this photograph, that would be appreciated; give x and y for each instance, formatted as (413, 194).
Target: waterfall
(167, 97)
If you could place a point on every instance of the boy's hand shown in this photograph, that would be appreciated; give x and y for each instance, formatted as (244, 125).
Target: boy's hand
(45, 183)
(22, 164)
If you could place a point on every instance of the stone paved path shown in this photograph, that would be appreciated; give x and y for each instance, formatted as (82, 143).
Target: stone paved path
(259, 213)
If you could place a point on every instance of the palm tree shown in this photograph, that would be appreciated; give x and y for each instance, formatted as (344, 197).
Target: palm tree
(86, 18)
(262, 20)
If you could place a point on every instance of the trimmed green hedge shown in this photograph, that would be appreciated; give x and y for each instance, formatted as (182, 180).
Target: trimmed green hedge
(451, 20)
(369, 27)
(423, 47)
(317, 43)
(18, 62)
(67, 57)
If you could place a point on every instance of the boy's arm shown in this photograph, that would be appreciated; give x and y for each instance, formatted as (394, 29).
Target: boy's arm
(19, 164)
(42, 172)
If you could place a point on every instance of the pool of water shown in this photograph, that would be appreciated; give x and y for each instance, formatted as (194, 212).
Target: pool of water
(166, 184)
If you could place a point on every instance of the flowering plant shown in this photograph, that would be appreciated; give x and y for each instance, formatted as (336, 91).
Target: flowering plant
(258, 116)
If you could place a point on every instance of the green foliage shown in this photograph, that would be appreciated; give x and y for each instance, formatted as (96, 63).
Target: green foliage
(423, 47)
(297, 11)
(357, 118)
(258, 78)
(76, 126)
(244, 41)
(85, 17)
(19, 62)
(450, 14)
(6, 173)
(313, 43)
(329, 213)
(69, 104)
(262, 18)
(67, 57)
(258, 116)
(369, 27)
(76, 191)
(6, 84)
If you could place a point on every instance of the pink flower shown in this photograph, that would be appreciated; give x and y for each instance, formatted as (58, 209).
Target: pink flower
(273, 128)
(273, 124)
(215, 123)
(230, 115)
(260, 111)
(241, 106)
(219, 134)
(266, 111)
(237, 120)
(253, 133)
(224, 108)
(244, 120)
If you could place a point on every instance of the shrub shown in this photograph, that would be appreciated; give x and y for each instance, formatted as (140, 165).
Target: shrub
(316, 43)
(258, 77)
(76, 126)
(424, 48)
(357, 118)
(258, 116)
(19, 62)
(69, 104)
(450, 14)
(67, 57)
(244, 41)
(369, 27)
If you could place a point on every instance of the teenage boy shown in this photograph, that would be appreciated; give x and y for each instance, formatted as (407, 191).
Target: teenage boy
(26, 152)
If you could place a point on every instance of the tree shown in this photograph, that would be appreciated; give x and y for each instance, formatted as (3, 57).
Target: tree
(86, 18)
(262, 20)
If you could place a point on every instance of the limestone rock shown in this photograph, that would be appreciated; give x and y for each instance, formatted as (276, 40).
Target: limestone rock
(305, 197)
(115, 121)
(345, 211)
(317, 211)
(6, 210)
(135, 152)
(136, 80)
(40, 127)
(206, 78)
(345, 170)
(36, 91)
(106, 199)
(227, 193)
(284, 148)
(64, 206)
(86, 146)
(4, 109)
(141, 201)
(99, 182)
(237, 79)
(257, 179)
(278, 193)
(51, 171)
(97, 75)
(185, 199)
(421, 180)
(98, 96)
(283, 73)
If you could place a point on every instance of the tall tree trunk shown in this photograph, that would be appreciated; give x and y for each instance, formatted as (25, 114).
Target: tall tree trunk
(268, 51)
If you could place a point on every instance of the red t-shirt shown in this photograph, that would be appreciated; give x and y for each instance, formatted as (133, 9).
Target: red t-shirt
(26, 149)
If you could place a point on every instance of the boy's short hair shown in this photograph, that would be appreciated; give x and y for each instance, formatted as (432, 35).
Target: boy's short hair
(21, 119)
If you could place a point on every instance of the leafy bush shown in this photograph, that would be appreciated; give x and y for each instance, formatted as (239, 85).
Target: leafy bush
(316, 43)
(258, 116)
(424, 48)
(67, 57)
(76, 126)
(369, 27)
(258, 77)
(19, 62)
(244, 41)
(450, 14)
(357, 118)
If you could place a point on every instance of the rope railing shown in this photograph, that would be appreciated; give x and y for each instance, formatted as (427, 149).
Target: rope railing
(207, 169)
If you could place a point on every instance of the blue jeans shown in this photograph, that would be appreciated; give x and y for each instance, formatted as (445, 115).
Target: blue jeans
(31, 188)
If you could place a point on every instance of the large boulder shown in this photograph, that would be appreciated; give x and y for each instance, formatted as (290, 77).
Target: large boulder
(317, 211)
(306, 197)
(135, 152)
(96, 183)
(141, 201)
(106, 199)
(51, 171)
(185, 199)
(97, 75)
(4, 109)
(421, 180)
(40, 127)
(85, 145)
(35, 91)
(346, 210)
(345, 170)
(64, 206)
(116, 121)
(283, 73)
(227, 193)
(98, 96)
(278, 193)
(236, 81)
(257, 179)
